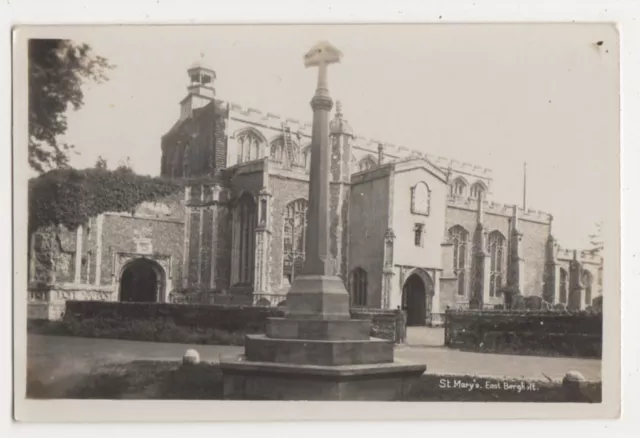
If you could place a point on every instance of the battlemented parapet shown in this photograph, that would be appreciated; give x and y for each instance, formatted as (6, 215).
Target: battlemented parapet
(267, 120)
(583, 256)
(270, 126)
(490, 207)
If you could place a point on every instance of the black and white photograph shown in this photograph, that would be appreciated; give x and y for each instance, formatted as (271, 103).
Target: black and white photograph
(417, 214)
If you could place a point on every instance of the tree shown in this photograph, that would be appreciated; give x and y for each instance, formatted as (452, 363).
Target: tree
(595, 240)
(57, 71)
(101, 163)
(125, 164)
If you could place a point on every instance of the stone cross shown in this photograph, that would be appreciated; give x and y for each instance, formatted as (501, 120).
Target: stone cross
(317, 257)
(321, 55)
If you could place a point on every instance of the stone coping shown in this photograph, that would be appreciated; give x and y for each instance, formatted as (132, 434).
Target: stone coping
(70, 287)
(320, 341)
(244, 366)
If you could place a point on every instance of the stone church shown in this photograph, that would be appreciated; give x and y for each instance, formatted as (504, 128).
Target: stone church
(408, 229)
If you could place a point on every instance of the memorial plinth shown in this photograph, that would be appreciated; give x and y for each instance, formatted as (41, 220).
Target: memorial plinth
(317, 352)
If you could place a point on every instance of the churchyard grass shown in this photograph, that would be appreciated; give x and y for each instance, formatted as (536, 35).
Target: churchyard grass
(172, 380)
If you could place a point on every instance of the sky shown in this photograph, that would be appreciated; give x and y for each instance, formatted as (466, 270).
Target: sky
(493, 95)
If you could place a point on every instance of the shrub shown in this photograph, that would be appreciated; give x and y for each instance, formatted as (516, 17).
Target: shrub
(551, 333)
(187, 323)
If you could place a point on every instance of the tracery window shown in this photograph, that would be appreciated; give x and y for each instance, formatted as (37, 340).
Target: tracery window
(279, 153)
(185, 161)
(476, 190)
(295, 225)
(563, 286)
(250, 145)
(587, 281)
(358, 287)
(496, 244)
(366, 163)
(306, 157)
(244, 239)
(458, 187)
(421, 199)
(459, 237)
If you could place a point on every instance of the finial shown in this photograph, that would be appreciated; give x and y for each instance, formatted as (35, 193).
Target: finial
(380, 154)
(338, 109)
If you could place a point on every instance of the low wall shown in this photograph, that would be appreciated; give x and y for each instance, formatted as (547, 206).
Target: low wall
(47, 302)
(190, 323)
(385, 324)
(548, 333)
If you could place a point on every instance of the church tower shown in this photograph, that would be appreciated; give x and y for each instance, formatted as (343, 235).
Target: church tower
(200, 89)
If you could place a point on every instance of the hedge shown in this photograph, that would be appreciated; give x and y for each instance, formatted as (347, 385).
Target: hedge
(187, 323)
(525, 332)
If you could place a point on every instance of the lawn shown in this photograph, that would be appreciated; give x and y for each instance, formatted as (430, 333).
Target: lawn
(171, 380)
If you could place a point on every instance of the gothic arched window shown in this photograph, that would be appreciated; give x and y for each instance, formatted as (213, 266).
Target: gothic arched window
(295, 225)
(358, 287)
(293, 157)
(177, 159)
(244, 239)
(587, 281)
(250, 145)
(185, 161)
(496, 244)
(366, 163)
(459, 187)
(421, 199)
(306, 157)
(563, 286)
(459, 237)
(476, 190)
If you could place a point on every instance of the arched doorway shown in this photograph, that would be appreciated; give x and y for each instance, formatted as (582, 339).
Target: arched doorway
(417, 296)
(142, 281)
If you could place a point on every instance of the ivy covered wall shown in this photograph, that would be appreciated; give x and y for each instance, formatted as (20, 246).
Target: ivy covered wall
(63, 199)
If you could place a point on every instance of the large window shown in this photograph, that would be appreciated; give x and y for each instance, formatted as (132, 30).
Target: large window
(250, 145)
(496, 249)
(185, 161)
(358, 287)
(295, 225)
(366, 163)
(420, 199)
(459, 237)
(587, 282)
(279, 153)
(244, 239)
(458, 187)
(563, 286)
(476, 190)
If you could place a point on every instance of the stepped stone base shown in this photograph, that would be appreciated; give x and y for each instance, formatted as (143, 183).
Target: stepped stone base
(251, 380)
(318, 297)
(317, 352)
(319, 329)
(260, 348)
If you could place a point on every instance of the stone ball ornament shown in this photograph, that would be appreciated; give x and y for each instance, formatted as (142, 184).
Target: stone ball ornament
(191, 357)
